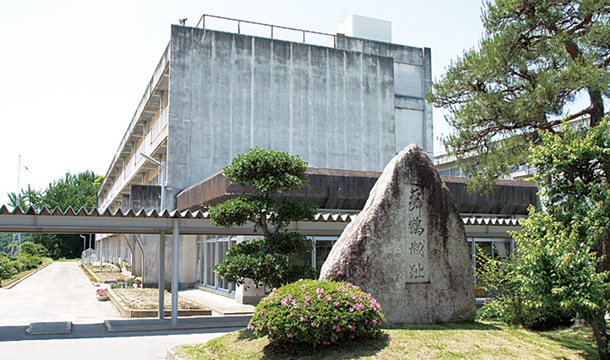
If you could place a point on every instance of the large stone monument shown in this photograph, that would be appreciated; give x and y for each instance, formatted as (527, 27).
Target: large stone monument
(408, 246)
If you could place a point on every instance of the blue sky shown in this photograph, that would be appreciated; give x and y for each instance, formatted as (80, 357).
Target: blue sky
(74, 71)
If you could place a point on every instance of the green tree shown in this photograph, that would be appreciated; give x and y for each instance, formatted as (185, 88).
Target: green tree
(574, 173)
(73, 190)
(536, 58)
(267, 259)
(562, 258)
(550, 278)
(28, 197)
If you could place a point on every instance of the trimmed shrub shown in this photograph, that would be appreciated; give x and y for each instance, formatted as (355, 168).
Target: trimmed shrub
(6, 267)
(317, 312)
(29, 261)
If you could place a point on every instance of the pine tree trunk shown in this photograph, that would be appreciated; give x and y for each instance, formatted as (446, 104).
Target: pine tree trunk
(601, 336)
(597, 107)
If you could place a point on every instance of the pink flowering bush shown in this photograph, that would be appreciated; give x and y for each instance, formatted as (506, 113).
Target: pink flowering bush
(317, 313)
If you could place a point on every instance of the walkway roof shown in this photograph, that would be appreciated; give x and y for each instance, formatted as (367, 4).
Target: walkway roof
(197, 222)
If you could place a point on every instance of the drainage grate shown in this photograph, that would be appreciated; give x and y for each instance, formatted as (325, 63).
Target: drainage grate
(50, 328)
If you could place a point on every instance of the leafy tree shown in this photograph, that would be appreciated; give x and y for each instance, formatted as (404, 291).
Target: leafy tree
(574, 172)
(265, 260)
(28, 197)
(563, 254)
(6, 239)
(30, 248)
(538, 62)
(550, 278)
(73, 190)
(76, 191)
(537, 57)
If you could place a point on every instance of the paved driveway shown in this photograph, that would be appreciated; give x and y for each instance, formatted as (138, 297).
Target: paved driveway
(61, 292)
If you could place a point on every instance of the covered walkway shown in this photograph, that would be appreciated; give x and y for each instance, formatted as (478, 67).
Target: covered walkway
(176, 223)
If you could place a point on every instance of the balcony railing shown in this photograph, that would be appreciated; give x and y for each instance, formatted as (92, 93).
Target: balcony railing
(150, 142)
(272, 30)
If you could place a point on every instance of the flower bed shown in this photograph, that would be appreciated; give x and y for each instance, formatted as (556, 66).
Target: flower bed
(89, 274)
(317, 312)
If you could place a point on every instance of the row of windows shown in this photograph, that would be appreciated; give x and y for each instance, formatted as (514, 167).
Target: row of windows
(212, 250)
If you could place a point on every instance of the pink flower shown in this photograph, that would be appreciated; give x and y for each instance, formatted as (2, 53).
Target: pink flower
(353, 328)
(306, 303)
(313, 325)
(336, 303)
(271, 333)
(303, 287)
(332, 340)
(328, 297)
(302, 318)
(262, 311)
(289, 335)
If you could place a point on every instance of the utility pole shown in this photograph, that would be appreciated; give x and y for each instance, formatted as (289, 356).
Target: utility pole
(16, 243)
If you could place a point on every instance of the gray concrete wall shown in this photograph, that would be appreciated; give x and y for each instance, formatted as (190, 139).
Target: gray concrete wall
(147, 197)
(150, 246)
(412, 79)
(230, 92)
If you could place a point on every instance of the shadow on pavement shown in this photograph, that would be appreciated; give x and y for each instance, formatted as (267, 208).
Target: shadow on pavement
(83, 331)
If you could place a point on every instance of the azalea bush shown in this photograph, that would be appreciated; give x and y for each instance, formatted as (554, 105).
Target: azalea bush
(317, 313)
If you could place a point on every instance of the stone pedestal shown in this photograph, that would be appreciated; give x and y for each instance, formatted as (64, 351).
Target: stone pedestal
(249, 293)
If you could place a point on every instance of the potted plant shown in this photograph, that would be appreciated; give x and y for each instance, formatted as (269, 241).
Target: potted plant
(138, 281)
(102, 294)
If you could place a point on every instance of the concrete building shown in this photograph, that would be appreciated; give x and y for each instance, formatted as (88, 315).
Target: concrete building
(350, 104)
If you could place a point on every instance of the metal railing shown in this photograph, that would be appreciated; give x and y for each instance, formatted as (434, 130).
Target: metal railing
(271, 27)
(88, 255)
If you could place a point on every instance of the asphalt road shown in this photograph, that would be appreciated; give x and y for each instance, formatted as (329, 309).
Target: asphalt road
(62, 293)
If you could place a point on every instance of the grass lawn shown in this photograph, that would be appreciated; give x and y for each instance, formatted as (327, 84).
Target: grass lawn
(477, 340)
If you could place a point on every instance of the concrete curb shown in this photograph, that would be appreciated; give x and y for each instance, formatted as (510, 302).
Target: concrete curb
(171, 353)
(185, 323)
(25, 277)
(216, 310)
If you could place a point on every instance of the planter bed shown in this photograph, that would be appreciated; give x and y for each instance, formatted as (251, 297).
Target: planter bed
(186, 308)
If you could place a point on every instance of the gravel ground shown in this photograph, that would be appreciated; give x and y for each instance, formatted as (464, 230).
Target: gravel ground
(148, 299)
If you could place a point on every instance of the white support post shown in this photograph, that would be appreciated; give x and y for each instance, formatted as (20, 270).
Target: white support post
(101, 252)
(161, 273)
(175, 249)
